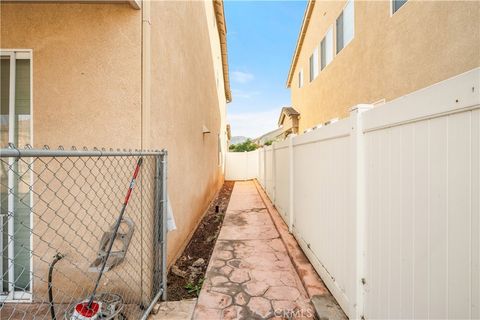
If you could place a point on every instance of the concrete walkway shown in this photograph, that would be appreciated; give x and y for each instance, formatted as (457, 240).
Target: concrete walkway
(250, 275)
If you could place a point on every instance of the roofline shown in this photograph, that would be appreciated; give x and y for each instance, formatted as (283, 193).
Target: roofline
(135, 4)
(222, 32)
(283, 114)
(301, 36)
(221, 27)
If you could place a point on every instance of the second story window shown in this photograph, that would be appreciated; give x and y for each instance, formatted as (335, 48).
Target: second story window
(314, 65)
(300, 78)
(345, 26)
(397, 4)
(326, 49)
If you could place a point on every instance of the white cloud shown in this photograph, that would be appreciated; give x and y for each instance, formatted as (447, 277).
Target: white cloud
(253, 124)
(238, 93)
(241, 77)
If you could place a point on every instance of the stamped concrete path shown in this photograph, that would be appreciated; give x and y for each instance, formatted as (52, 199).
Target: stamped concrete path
(250, 275)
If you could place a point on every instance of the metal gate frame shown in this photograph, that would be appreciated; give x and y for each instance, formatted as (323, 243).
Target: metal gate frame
(159, 281)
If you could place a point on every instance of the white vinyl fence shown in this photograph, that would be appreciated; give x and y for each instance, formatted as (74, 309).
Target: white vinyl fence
(385, 203)
(241, 165)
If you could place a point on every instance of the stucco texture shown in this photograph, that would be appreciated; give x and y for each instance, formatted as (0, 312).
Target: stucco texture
(86, 71)
(184, 99)
(94, 86)
(86, 92)
(424, 42)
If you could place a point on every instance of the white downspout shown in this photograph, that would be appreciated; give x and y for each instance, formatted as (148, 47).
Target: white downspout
(146, 75)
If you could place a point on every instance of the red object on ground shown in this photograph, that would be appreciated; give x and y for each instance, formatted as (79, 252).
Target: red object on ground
(86, 311)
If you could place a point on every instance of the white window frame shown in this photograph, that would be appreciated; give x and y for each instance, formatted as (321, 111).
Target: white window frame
(345, 43)
(300, 78)
(313, 59)
(332, 49)
(14, 54)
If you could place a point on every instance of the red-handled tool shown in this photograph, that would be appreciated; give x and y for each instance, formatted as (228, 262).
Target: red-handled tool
(87, 308)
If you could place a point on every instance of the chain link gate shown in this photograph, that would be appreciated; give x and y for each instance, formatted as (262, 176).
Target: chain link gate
(58, 209)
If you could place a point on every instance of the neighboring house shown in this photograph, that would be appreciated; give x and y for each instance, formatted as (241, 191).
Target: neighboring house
(123, 74)
(272, 136)
(288, 121)
(287, 125)
(352, 52)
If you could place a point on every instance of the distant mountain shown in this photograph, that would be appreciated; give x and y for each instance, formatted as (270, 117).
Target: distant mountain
(238, 139)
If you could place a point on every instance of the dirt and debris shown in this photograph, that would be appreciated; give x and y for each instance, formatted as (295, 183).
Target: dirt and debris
(185, 278)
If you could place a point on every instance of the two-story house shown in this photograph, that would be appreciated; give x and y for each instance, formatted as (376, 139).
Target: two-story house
(117, 74)
(351, 52)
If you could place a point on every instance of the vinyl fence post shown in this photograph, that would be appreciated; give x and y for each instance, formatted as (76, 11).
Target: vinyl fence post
(358, 202)
(274, 175)
(257, 176)
(265, 168)
(245, 161)
(291, 209)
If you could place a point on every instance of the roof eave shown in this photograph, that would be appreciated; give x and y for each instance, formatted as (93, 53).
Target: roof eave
(135, 4)
(280, 120)
(301, 36)
(287, 111)
(222, 32)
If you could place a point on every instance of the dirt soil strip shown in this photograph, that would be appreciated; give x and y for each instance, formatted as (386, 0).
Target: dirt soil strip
(186, 275)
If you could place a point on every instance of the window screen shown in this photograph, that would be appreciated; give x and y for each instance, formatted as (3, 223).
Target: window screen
(345, 26)
(312, 66)
(326, 48)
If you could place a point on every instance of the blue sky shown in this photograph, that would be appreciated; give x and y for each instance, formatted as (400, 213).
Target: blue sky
(261, 38)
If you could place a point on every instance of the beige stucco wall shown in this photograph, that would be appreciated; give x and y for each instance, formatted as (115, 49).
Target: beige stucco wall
(86, 71)
(218, 72)
(86, 92)
(391, 55)
(184, 99)
(88, 88)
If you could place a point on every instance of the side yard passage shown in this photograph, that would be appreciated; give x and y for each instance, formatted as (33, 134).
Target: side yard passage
(250, 275)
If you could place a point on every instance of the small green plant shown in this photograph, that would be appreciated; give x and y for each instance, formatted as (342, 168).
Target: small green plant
(194, 288)
(269, 143)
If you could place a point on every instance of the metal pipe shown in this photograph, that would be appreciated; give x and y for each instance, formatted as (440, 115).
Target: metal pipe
(152, 304)
(158, 226)
(9, 152)
(164, 223)
(11, 183)
(56, 258)
(163, 203)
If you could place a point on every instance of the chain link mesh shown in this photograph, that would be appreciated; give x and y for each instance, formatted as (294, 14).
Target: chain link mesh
(64, 204)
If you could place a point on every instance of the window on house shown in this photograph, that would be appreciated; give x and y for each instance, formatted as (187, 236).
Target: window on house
(314, 65)
(345, 26)
(300, 78)
(326, 49)
(311, 68)
(16, 125)
(397, 4)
